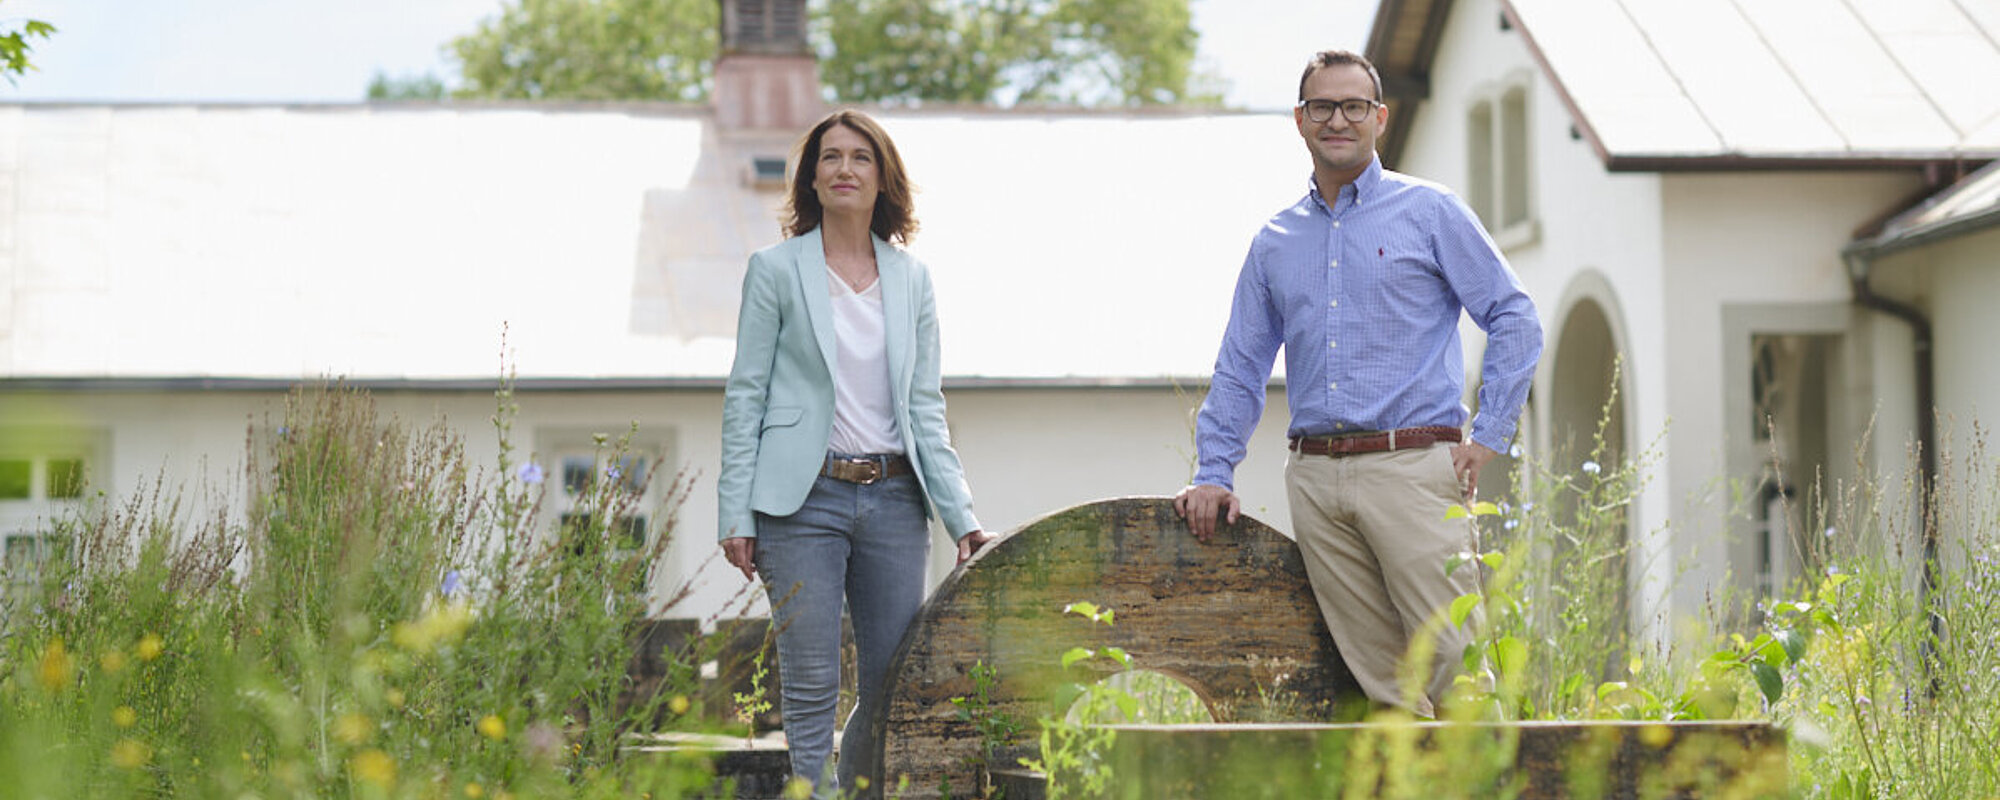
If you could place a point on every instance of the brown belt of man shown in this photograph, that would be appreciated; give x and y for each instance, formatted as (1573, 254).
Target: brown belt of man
(1347, 444)
(865, 469)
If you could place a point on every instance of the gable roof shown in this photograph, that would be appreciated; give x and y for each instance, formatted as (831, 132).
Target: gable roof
(1720, 84)
(212, 244)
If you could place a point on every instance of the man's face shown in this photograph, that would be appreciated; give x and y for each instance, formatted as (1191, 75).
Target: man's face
(1338, 144)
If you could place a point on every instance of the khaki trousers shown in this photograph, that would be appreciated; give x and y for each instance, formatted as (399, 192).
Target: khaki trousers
(1373, 532)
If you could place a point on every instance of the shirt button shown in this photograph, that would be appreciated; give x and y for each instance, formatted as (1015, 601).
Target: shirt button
(1334, 387)
(1332, 344)
(1333, 304)
(1336, 223)
(1333, 263)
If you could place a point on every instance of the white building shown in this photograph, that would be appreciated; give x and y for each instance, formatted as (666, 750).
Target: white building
(1694, 188)
(1685, 186)
(167, 272)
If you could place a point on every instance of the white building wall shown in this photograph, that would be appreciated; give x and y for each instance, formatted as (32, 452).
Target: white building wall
(1027, 452)
(1768, 239)
(1596, 237)
(1955, 281)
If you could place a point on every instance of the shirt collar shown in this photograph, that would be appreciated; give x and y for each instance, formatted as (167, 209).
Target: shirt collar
(1364, 184)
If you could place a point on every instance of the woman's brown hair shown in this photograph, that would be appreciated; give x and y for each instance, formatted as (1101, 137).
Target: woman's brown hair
(894, 219)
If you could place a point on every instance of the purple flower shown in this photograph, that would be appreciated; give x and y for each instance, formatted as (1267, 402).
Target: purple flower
(613, 472)
(453, 581)
(531, 472)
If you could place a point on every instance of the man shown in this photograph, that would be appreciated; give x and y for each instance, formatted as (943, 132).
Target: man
(1362, 281)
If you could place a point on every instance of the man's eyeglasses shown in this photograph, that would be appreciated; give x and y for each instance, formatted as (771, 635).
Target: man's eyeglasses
(1354, 109)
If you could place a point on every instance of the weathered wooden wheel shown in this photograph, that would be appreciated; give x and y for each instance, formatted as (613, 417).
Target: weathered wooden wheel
(1234, 619)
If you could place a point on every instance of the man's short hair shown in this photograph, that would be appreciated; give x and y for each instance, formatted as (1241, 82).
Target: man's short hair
(1335, 58)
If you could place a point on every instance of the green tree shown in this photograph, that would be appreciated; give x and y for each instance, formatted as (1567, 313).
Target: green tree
(15, 47)
(427, 86)
(1085, 52)
(591, 50)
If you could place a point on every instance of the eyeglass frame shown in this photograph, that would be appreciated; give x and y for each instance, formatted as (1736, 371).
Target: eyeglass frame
(1338, 106)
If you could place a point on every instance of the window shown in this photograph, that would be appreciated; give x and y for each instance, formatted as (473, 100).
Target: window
(1498, 177)
(23, 557)
(38, 477)
(587, 475)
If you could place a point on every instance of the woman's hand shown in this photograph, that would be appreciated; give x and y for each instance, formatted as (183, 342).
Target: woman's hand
(742, 554)
(971, 543)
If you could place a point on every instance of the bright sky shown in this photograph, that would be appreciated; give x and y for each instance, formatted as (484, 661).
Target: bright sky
(326, 50)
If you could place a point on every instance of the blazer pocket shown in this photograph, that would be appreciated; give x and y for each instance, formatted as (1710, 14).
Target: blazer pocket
(780, 416)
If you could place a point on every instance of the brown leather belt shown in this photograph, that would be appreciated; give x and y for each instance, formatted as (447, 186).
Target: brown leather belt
(865, 469)
(1374, 441)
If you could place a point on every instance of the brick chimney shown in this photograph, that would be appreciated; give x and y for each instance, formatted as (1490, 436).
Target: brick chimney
(766, 77)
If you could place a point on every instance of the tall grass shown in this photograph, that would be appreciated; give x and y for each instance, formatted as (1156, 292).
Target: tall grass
(378, 617)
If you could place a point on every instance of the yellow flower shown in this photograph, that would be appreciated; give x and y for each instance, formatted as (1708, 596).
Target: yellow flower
(150, 646)
(352, 728)
(394, 697)
(373, 766)
(112, 662)
(678, 705)
(55, 667)
(474, 791)
(493, 727)
(124, 717)
(1656, 736)
(444, 624)
(130, 754)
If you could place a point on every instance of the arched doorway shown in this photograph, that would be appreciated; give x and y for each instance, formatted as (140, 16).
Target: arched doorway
(1586, 476)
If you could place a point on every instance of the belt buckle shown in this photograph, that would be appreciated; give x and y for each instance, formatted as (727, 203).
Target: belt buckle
(873, 468)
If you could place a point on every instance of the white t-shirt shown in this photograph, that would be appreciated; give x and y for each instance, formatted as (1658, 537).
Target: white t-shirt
(864, 420)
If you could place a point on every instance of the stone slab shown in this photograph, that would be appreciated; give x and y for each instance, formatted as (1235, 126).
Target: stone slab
(1233, 618)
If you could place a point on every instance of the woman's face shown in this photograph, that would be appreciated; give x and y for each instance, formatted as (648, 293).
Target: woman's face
(846, 177)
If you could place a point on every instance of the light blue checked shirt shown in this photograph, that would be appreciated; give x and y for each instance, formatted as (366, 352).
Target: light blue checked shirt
(1365, 298)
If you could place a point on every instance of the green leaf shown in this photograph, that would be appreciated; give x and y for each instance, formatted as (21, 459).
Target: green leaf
(1085, 609)
(1074, 655)
(1794, 643)
(1462, 608)
(1493, 560)
(1065, 695)
(1771, 651)
(1768, 681)
(1608, 688)
(1456, 511)
(1485, 508)
(1128, 705)
(1454, 561)
(1571, 684)
(1511, 654)
(1118, 654)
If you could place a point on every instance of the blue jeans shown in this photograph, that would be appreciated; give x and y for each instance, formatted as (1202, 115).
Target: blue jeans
(863, 545)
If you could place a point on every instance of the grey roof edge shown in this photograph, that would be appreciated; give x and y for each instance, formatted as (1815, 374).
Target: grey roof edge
(1739, 162)
(1892, 237)
(196, 383)
(634, 107)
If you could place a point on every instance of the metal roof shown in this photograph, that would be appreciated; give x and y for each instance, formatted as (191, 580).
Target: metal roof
(394, 242)
(1703, 84)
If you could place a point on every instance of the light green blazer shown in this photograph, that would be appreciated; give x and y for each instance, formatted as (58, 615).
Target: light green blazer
(777, 409)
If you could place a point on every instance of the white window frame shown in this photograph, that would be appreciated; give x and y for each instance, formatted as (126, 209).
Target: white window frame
(1500, 159)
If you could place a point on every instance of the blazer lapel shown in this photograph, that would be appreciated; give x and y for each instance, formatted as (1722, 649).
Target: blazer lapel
(811, 265)
(899, 323)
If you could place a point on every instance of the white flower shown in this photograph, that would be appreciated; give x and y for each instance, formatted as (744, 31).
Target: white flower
(1591, 467)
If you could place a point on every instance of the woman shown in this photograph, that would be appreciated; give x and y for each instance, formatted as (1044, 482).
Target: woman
(834, 447)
